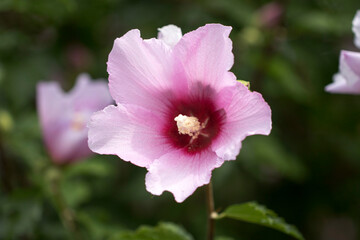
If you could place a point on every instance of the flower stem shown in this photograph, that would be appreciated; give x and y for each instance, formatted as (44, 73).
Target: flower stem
(66, 214)
(4, 171)
(210, 211)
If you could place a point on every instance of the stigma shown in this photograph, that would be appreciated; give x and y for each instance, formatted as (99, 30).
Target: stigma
(189, 125)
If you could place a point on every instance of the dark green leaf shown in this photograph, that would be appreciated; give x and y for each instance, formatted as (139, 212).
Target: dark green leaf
(164, 231)
(20, 214)
(223, 238)
(75, 192)
(94, 166)
(323, 22)
(253, 212)
(98, 224)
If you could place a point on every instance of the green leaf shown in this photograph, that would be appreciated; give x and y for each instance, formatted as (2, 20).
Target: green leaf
(164, 231)
(253, 212)
(94, 166)
(322, 22)
(223, 238)
(20, 214)
(75, 192)
(98, 223)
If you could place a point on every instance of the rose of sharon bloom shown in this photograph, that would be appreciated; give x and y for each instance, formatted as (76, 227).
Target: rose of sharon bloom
(64, 116)
(180, 112)
(356, 28)
(348, 79)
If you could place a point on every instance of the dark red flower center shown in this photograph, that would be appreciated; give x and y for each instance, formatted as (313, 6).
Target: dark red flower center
(201, 108)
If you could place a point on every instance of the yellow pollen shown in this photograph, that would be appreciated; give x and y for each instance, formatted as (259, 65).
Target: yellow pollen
(188, 125)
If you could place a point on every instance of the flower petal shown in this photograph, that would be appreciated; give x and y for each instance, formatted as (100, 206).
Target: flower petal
(133, 133)
(52, 106)
(50, 109)
(247, 114)
(91, 95)
(356, 28)
(66, 144)
(180, 173)
(170, 35)
(348, 80)
(340, 85)
(139, 71)
(350, 66)
(206, 55)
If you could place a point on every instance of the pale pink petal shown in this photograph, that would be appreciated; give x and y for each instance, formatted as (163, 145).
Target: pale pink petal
(180, 173)
(68, 144)
(88, 94)
(340, 85)
(132, 133)
(52, 105)
(348, 80)
(356, 28)
(350, 65)
(247, 114)
(206, 56)
(50, 102)
(170, 35)
(140, 71)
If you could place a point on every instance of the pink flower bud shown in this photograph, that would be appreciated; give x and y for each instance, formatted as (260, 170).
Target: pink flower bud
(270, 14)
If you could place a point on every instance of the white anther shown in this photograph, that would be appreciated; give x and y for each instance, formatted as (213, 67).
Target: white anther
(188, 125)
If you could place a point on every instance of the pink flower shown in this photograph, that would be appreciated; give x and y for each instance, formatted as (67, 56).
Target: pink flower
(348, 79)
(180, 112)
(356, 28)
(64, 116)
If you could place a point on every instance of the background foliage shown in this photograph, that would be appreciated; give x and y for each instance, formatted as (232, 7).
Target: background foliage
(307, 170)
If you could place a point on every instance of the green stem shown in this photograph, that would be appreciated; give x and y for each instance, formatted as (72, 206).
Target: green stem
(210, 211)
(66, 214)
(5, 170)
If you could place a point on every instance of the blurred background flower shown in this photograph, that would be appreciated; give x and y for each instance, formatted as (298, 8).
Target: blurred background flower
(307, 170)
(347, 80)
(356, 28)
(64, 116)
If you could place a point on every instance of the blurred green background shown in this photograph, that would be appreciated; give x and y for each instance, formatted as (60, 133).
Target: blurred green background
(307, 170)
